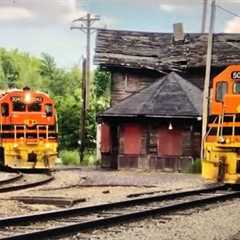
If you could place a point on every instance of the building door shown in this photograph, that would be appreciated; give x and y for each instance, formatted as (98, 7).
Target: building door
(170, 146)
(131, 145)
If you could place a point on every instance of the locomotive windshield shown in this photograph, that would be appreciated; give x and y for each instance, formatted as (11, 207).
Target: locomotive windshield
(34, 107)
(19, 106)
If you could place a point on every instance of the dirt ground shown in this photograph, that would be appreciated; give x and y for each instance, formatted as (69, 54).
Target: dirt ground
(221, 221)
(96, 186)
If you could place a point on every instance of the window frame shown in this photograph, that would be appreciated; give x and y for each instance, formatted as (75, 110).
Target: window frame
(234, 92)
(48, 113)
(6, 104)
(25, 106)
(31, 104)
(216, 92)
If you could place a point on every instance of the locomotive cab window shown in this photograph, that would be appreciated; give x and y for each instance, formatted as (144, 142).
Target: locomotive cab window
(5, 109)
(19, 106)
(34, 107)
(221, 90)
(236, 87)
(49, 110)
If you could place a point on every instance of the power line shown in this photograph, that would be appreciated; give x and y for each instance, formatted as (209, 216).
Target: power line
(228, 11)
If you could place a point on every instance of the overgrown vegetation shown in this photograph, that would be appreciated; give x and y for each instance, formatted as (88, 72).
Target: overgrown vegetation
(196, 166)
(19, 69)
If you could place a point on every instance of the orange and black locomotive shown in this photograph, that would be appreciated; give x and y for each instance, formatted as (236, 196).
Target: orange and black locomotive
(221, 162)
(28, 129)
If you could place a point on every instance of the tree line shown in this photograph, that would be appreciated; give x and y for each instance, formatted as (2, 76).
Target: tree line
(19, 69)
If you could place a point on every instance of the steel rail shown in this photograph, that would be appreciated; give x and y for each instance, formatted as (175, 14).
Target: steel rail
(49, 215)
(25, 185)
(11, 179)
(102, 222)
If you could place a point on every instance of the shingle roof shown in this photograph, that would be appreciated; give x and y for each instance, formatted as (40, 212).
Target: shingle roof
(159, 52)
(170, 96)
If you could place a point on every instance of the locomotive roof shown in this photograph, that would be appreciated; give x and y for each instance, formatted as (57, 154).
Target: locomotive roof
(7, 91)
(159, 51)
(170, 96)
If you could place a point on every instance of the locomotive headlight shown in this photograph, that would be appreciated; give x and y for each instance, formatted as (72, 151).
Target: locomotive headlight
(15, 145)
(27, 97)
(221, 140)
(228, 140)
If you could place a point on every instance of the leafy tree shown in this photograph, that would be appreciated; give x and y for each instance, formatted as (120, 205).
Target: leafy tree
(48, 66)
(64, 86)
(9, 70)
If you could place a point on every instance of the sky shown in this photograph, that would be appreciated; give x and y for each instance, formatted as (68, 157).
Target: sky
(37, 26)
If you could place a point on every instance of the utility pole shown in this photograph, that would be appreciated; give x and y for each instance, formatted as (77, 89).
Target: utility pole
(208, 74)
(86, 26)
(83, 112)
(204, 16)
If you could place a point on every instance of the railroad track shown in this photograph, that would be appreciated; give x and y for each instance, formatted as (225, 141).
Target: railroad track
(10, 179)
(23, 181)
(56, 223)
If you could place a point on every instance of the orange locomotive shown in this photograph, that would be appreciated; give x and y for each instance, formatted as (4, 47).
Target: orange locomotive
(28, 129)
(221, 161)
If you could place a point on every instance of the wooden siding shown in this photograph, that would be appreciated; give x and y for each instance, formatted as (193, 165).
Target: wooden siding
(124, 84)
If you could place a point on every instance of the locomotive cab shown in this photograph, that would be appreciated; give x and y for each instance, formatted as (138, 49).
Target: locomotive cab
(28, 129)
(221, 162)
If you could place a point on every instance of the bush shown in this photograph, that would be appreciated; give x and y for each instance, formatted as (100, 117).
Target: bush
(70, 157)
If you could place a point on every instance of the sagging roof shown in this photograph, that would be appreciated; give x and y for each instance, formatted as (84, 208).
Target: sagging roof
(170, 96)
(159, 51)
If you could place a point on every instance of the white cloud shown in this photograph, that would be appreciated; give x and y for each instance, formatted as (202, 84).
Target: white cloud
(232, 26)
(167, 7)
(14, 13)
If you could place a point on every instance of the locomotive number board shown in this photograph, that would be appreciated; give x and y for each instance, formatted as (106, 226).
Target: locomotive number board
(236, 75)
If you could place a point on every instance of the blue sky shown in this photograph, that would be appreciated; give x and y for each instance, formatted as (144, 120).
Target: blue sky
(37, 26)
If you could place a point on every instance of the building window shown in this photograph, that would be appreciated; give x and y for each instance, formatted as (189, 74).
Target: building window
(131, 83)
(221, 90)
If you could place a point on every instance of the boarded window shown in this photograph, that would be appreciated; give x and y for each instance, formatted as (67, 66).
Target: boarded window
(170, 142)
(105, 138)
(132, 138)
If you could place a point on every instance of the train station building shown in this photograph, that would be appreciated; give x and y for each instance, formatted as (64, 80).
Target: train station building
(154, 121)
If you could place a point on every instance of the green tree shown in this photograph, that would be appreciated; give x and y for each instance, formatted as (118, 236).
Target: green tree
(48, 66)
(9, 69)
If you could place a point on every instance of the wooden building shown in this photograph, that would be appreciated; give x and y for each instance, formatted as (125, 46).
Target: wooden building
(157, 79)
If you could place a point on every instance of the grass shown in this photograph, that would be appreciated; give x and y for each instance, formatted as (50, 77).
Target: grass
(196, 166)
(71, 157)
